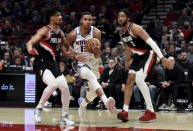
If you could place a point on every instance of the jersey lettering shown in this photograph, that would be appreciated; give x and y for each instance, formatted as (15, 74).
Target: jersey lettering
(81, 43)
(55, 40)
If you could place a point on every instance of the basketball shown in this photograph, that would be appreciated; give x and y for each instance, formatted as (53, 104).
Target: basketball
(92, 44)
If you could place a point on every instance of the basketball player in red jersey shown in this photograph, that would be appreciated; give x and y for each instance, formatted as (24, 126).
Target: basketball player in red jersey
(145, 52)
(87, 66)
(45, 64)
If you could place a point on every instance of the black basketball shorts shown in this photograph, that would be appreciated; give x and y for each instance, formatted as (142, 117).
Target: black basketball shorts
(40, 65)
(145, 61)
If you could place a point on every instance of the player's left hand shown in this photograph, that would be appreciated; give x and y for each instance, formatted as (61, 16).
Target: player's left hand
(167, 63)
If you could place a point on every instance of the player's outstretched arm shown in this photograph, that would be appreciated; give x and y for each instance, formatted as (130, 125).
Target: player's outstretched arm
(140, 32)
(41, 33)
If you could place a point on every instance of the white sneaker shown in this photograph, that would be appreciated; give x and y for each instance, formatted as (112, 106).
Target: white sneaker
(66, 121)
(173, 107)
(48, 104)
(110, 105)
(163, 107)
(38, 115)
(82, 109)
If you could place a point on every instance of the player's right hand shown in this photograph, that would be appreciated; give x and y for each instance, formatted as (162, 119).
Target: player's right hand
(33, 52)
(167, 63)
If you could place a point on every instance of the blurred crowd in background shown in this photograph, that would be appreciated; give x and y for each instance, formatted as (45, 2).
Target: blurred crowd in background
(170, 90)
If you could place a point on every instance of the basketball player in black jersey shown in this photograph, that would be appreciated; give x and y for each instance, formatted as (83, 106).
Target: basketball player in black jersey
(45, 64)
(145, 52)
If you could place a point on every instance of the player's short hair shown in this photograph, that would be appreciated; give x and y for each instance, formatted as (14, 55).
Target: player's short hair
(50, 12)
(85, 13)
(126, 11)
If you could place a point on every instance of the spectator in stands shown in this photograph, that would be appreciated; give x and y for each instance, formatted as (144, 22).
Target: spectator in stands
(186, 29)
(179, 39)
(93, 10)
(7, 29)
(28, 16)
(190, 52)
(172, 51)
(18, 31)
(114, 52)
(30, 64)
(184, 17)
(187, 80)
(118, 63)
(175, 32)
(154, 29)
(153, 80)
(2, 48)
(166, 48)
(7, 59)
(112, 81)
(73, 20)
(16, 53)
(105, 56)
(184, 46)
(17, 64)
(173, 78)
(106, 28)
(36, 17)
(165, 31)
(120, 49)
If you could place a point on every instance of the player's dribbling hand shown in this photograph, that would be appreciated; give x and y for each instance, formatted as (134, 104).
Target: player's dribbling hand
(33, 52)
(167, 63)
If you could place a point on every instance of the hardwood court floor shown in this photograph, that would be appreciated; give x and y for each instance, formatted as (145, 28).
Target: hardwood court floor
(18, 119)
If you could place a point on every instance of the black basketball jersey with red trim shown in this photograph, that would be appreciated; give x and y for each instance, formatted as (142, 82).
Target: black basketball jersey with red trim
(137, 45)
(47, 47)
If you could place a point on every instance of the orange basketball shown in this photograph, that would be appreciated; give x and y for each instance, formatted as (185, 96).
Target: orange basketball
(91, 44)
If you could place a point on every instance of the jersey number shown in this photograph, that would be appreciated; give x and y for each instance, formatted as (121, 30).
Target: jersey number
(82, 48)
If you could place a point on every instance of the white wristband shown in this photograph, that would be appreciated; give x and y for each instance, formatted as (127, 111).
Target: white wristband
(154, 46)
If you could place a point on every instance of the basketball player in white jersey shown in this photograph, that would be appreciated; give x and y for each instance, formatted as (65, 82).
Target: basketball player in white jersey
(45, 64)
(87, 62)
(145, 52)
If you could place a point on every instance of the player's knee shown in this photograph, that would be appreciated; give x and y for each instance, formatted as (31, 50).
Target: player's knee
(139, 77)
(61, 82)
(131, 79)
(66, 92)
(87, 73)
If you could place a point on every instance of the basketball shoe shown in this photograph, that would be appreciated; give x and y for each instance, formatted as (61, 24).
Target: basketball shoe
(148, 116)
(66, 121)
(123, 115)
(38, 115)
(110, 105)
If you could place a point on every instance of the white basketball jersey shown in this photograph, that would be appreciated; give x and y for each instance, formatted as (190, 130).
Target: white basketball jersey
(79, 48)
